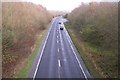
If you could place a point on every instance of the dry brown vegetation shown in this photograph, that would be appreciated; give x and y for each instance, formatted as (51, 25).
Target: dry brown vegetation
(21, 22)
(97, 25)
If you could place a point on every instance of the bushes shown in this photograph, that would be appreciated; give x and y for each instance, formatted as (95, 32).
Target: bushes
(91, 35)
(21, 22)
(97, 25)
(101, 18)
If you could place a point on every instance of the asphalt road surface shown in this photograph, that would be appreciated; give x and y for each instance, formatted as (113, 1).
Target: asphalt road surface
(58, 57)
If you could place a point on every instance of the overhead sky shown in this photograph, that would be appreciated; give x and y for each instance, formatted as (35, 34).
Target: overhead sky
(60, 5)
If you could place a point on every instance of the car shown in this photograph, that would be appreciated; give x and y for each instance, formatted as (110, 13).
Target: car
(61, 28)
(59, 22)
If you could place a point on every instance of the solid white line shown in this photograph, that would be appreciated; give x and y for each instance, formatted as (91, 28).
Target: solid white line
(41, 54)
(59, 63)
(77, 58)
(58, 50)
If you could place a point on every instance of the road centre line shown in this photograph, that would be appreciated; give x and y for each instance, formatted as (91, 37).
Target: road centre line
(57, 36)
(59, 63)
(58, 50)
(57, 41)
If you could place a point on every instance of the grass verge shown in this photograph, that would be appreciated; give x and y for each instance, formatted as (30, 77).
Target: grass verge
(24, 71)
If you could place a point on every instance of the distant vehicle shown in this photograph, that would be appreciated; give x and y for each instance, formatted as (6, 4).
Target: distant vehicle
(61, 28)
(59, 22)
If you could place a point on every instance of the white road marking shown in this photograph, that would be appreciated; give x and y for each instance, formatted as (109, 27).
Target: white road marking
(59, 63)
(41, 53)
(57, 41)
(76, 57)
(57, 36)
(58, 50)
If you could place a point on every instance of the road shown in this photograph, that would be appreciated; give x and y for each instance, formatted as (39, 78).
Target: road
(58, 57)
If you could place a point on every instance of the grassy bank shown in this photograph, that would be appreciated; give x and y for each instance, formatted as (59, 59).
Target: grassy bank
(99, 62)
(24, 71)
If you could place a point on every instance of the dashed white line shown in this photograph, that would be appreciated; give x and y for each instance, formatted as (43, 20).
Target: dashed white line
(59, 63)
(57, 36)
(57, 41)
(58, 50)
